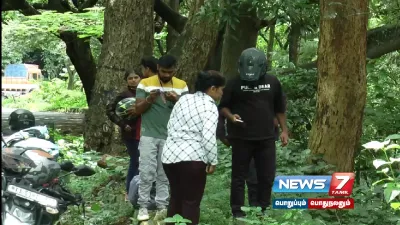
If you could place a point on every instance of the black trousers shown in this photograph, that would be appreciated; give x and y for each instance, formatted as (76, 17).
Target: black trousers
(187, 181)
(133, 151)
(251, 182)
(251, 179)
(263, 153)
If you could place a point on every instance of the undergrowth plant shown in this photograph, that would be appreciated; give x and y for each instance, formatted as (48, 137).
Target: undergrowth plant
(104, 191)
(386, 160)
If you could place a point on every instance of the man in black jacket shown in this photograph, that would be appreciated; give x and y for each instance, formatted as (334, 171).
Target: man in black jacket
(250, 103)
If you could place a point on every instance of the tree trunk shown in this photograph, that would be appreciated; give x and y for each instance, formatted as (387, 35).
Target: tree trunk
(342, 88)
(194, 45)
(294, 43)
(128, 36)
(71, 75)
(238, 37)
(270, 47)
(215, 58)
(80, 54)
(172, 35)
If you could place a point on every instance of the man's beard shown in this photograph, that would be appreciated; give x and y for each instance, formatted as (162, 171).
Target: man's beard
(165, 79)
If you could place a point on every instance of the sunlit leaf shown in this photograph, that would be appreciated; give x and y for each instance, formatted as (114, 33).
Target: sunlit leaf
(392, 146)
(95, 207)
(395, 205)
(376, 145)
(379, 162)
(393, 137)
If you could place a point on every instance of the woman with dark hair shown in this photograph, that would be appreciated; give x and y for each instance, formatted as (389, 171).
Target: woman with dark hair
(130, 128)
(190, 151)
(149, 66)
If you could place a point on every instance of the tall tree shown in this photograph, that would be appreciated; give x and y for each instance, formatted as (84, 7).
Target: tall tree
(342, 87)
(194, 45)
(128, 36)
(172, 33)
(241, 33)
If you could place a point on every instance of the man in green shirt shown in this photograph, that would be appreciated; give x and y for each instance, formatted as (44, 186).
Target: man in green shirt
(155, 98)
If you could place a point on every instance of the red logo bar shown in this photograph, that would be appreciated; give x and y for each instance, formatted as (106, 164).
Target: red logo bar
(341, 184)
(331, 203)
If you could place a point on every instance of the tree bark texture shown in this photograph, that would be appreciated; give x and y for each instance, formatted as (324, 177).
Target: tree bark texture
(172, 35)
(238, 37)
(214, 60)
(342, 88)
(194, 45)
(128, 36)
(294, 43)
(71, 75)
(270, 46)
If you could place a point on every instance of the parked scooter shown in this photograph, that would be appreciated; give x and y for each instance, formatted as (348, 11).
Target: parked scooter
(31, 193)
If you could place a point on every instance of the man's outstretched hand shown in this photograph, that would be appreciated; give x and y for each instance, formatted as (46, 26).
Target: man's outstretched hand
(225, 142)
(171, 96)
(284, 138)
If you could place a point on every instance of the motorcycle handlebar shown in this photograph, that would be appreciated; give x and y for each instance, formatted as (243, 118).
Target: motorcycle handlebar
(59, 193)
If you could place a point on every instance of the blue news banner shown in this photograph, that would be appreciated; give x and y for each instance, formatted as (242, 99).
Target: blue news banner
(297, 184)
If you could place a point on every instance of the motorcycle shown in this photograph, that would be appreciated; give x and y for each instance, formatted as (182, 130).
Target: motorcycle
(31, 192)
(34, 137)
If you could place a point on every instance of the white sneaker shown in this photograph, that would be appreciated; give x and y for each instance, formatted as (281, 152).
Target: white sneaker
(143, 214)
(161, 214)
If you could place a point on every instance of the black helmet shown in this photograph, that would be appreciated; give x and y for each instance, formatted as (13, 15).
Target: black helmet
(252, 64)
(21, 119)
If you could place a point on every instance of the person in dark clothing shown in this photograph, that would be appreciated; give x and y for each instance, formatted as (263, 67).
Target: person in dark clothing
(251, 178)
(250, 103)
(149, 66)
(130, 129)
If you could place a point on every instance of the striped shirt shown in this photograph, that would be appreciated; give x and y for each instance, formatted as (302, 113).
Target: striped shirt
(155, 119)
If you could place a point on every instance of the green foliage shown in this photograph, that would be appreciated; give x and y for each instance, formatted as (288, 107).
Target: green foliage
(386, 160)
(19, 44)
(87, 24)
(162, 38)
(381, 116)
(52, 96)
(300, 89)
(103, 192)
(177, 220)
(385, 11)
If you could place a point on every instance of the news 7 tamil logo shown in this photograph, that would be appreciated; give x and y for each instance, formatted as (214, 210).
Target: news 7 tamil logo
(339, 184)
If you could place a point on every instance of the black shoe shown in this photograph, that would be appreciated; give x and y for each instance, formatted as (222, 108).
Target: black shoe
(240, 214)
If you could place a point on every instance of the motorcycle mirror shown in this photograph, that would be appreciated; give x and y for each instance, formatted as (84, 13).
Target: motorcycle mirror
(67, 166)
(84, 171)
